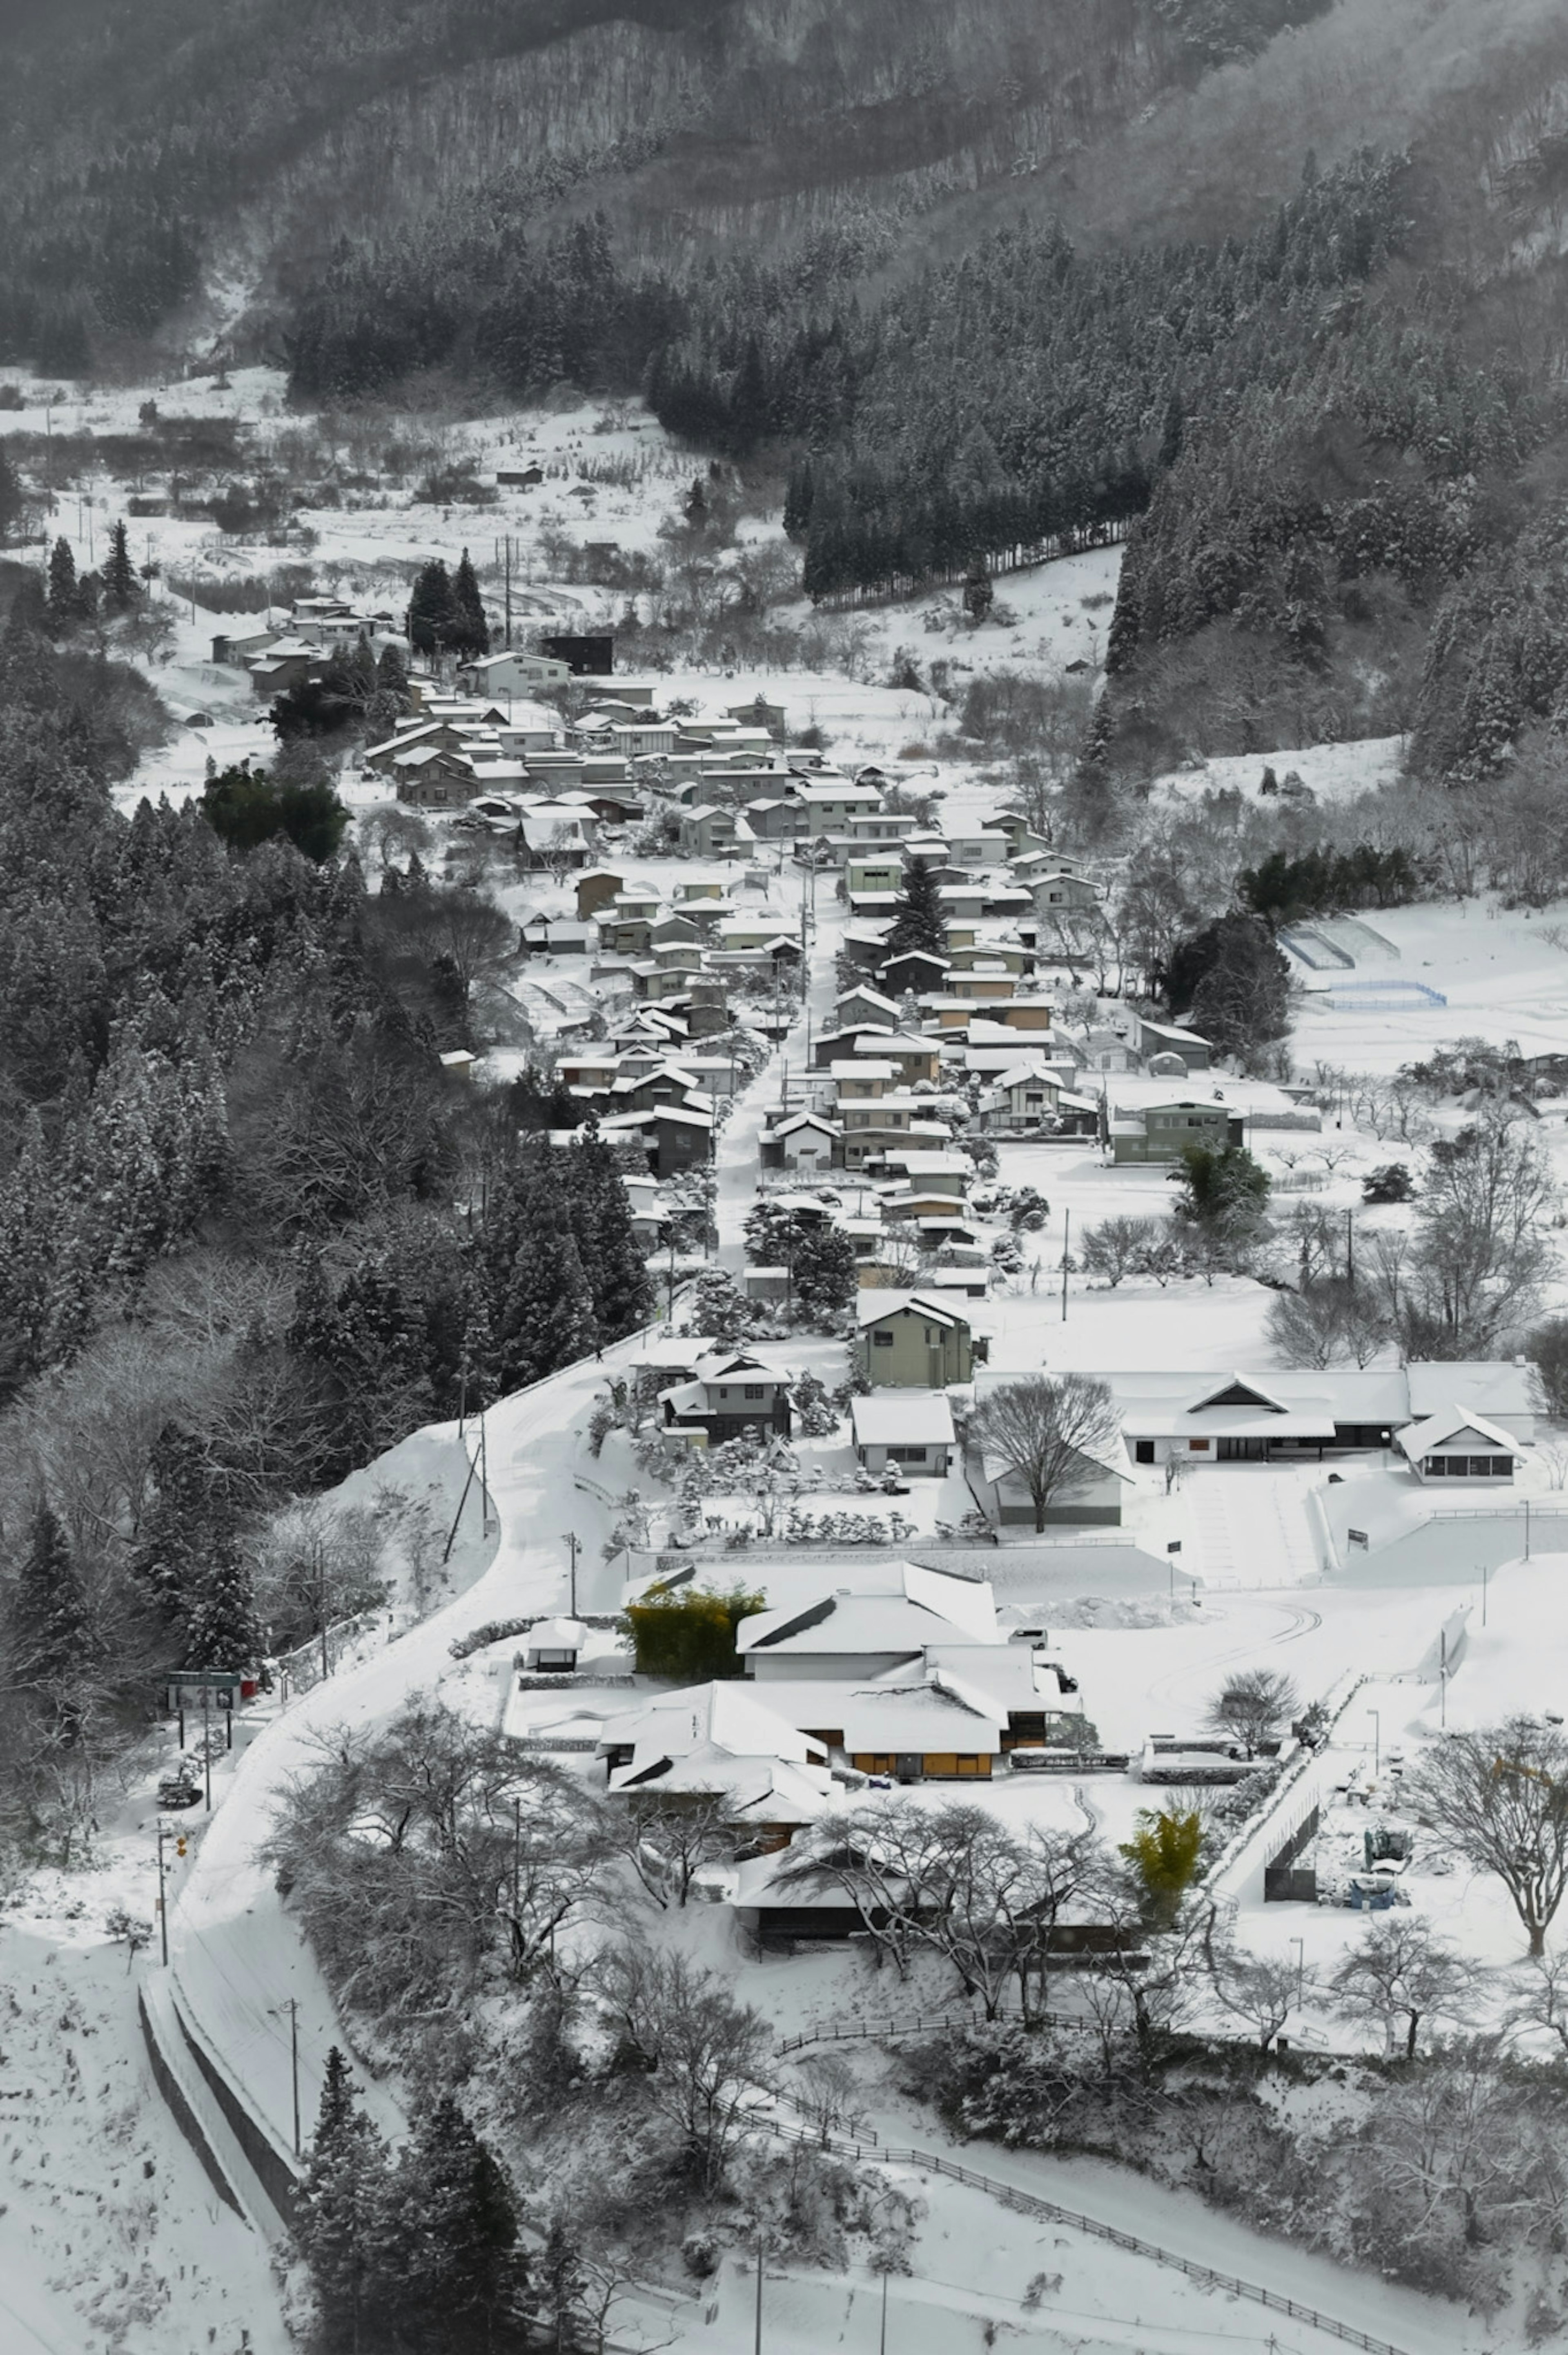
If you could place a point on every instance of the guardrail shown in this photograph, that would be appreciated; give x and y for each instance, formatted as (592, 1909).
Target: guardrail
(1027, 2203)
(918, 2023)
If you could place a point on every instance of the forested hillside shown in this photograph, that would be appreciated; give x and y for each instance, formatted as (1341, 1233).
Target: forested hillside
(137, 141)
(250, 1233)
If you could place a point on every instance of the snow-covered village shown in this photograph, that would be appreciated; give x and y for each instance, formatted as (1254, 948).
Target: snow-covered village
(784, 1187)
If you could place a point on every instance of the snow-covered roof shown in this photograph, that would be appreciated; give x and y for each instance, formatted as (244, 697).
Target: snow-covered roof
(728, 1716)
(901, 1418)
(1304, 1402)
(898, 1610)
(1482, 1386)
(902, 1711)
(874, 1306)
(1453, 1427)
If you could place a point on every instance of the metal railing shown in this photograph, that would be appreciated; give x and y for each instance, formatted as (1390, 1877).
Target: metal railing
(1048, 2212)
(918, 2023)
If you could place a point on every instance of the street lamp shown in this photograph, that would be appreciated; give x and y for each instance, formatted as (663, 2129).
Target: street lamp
(1377, 1739)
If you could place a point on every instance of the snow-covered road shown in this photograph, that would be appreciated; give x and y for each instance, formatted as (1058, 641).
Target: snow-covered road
(237, 1958)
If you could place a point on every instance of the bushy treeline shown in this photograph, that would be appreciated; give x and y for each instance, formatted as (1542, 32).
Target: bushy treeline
(1438, 2172)
(250, 1232)
(1317, 882)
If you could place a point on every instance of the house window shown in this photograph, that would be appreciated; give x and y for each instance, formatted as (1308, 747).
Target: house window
(1143, 1451)
(723, 1394)
(906, 1454)
(1198, 1446)
(883, 1340)
(755, 1390)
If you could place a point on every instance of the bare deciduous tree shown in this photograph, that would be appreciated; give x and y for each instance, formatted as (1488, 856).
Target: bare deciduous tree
(1053, 1433)
(1253, 1704)
(667, 1841)
(704, 2056)
(1501, 1795)
(1401, 1975)
(1262, 1989)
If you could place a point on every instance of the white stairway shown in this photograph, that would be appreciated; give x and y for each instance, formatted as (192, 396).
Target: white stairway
(1251, 1525)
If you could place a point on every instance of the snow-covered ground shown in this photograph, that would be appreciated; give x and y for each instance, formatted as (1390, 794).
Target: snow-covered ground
(157, 2267)
(1330, 772)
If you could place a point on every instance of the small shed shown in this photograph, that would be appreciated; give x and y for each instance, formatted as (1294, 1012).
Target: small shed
(551, 1646)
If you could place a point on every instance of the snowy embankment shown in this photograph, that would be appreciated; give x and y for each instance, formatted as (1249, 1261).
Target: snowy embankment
(237, 1959)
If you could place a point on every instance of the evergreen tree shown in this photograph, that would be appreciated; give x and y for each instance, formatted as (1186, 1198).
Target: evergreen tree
(51, 1627)
(543, 1318)
(392, 673)
(11, 501)
(461, 2274)
(612, 1260)
(432, 610)
(168, 1558)
(561, 2282)
(121, 586)
(221, 1628)
(918, 920)
(468, 632)
(65, 601)
(343, 2218)
(749, 401)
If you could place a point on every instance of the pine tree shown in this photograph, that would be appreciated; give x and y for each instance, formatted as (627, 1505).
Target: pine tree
(168, 1556)
(10, 496)
(51, 1627)
(543, 1316)
(918, 922)
(461, 2274)
(392, 672)
(561, 2282)
(65, 590)
(343, 2218)
(432, 610)
(469, 632)
(221, 1628)
(612, 1259)
(121, 586)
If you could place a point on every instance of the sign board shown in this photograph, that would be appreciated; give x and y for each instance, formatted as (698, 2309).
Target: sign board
(194, 1688)
(1356, 1538)
(1173, 1545)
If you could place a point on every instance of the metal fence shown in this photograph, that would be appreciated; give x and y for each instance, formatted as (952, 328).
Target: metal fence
(920, 2023)
(1026, 2203)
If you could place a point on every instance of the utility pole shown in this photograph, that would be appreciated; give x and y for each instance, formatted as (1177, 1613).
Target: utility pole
(295, 2064)
(1443, 1680)
(206, 1742)
(162, 1902)
(1350, 1250)
(483, 1471)
(758, 2343)
(882, 2342)
(509, 593)
(1066, 1235)
(1485, 1571)
(571, 1541)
